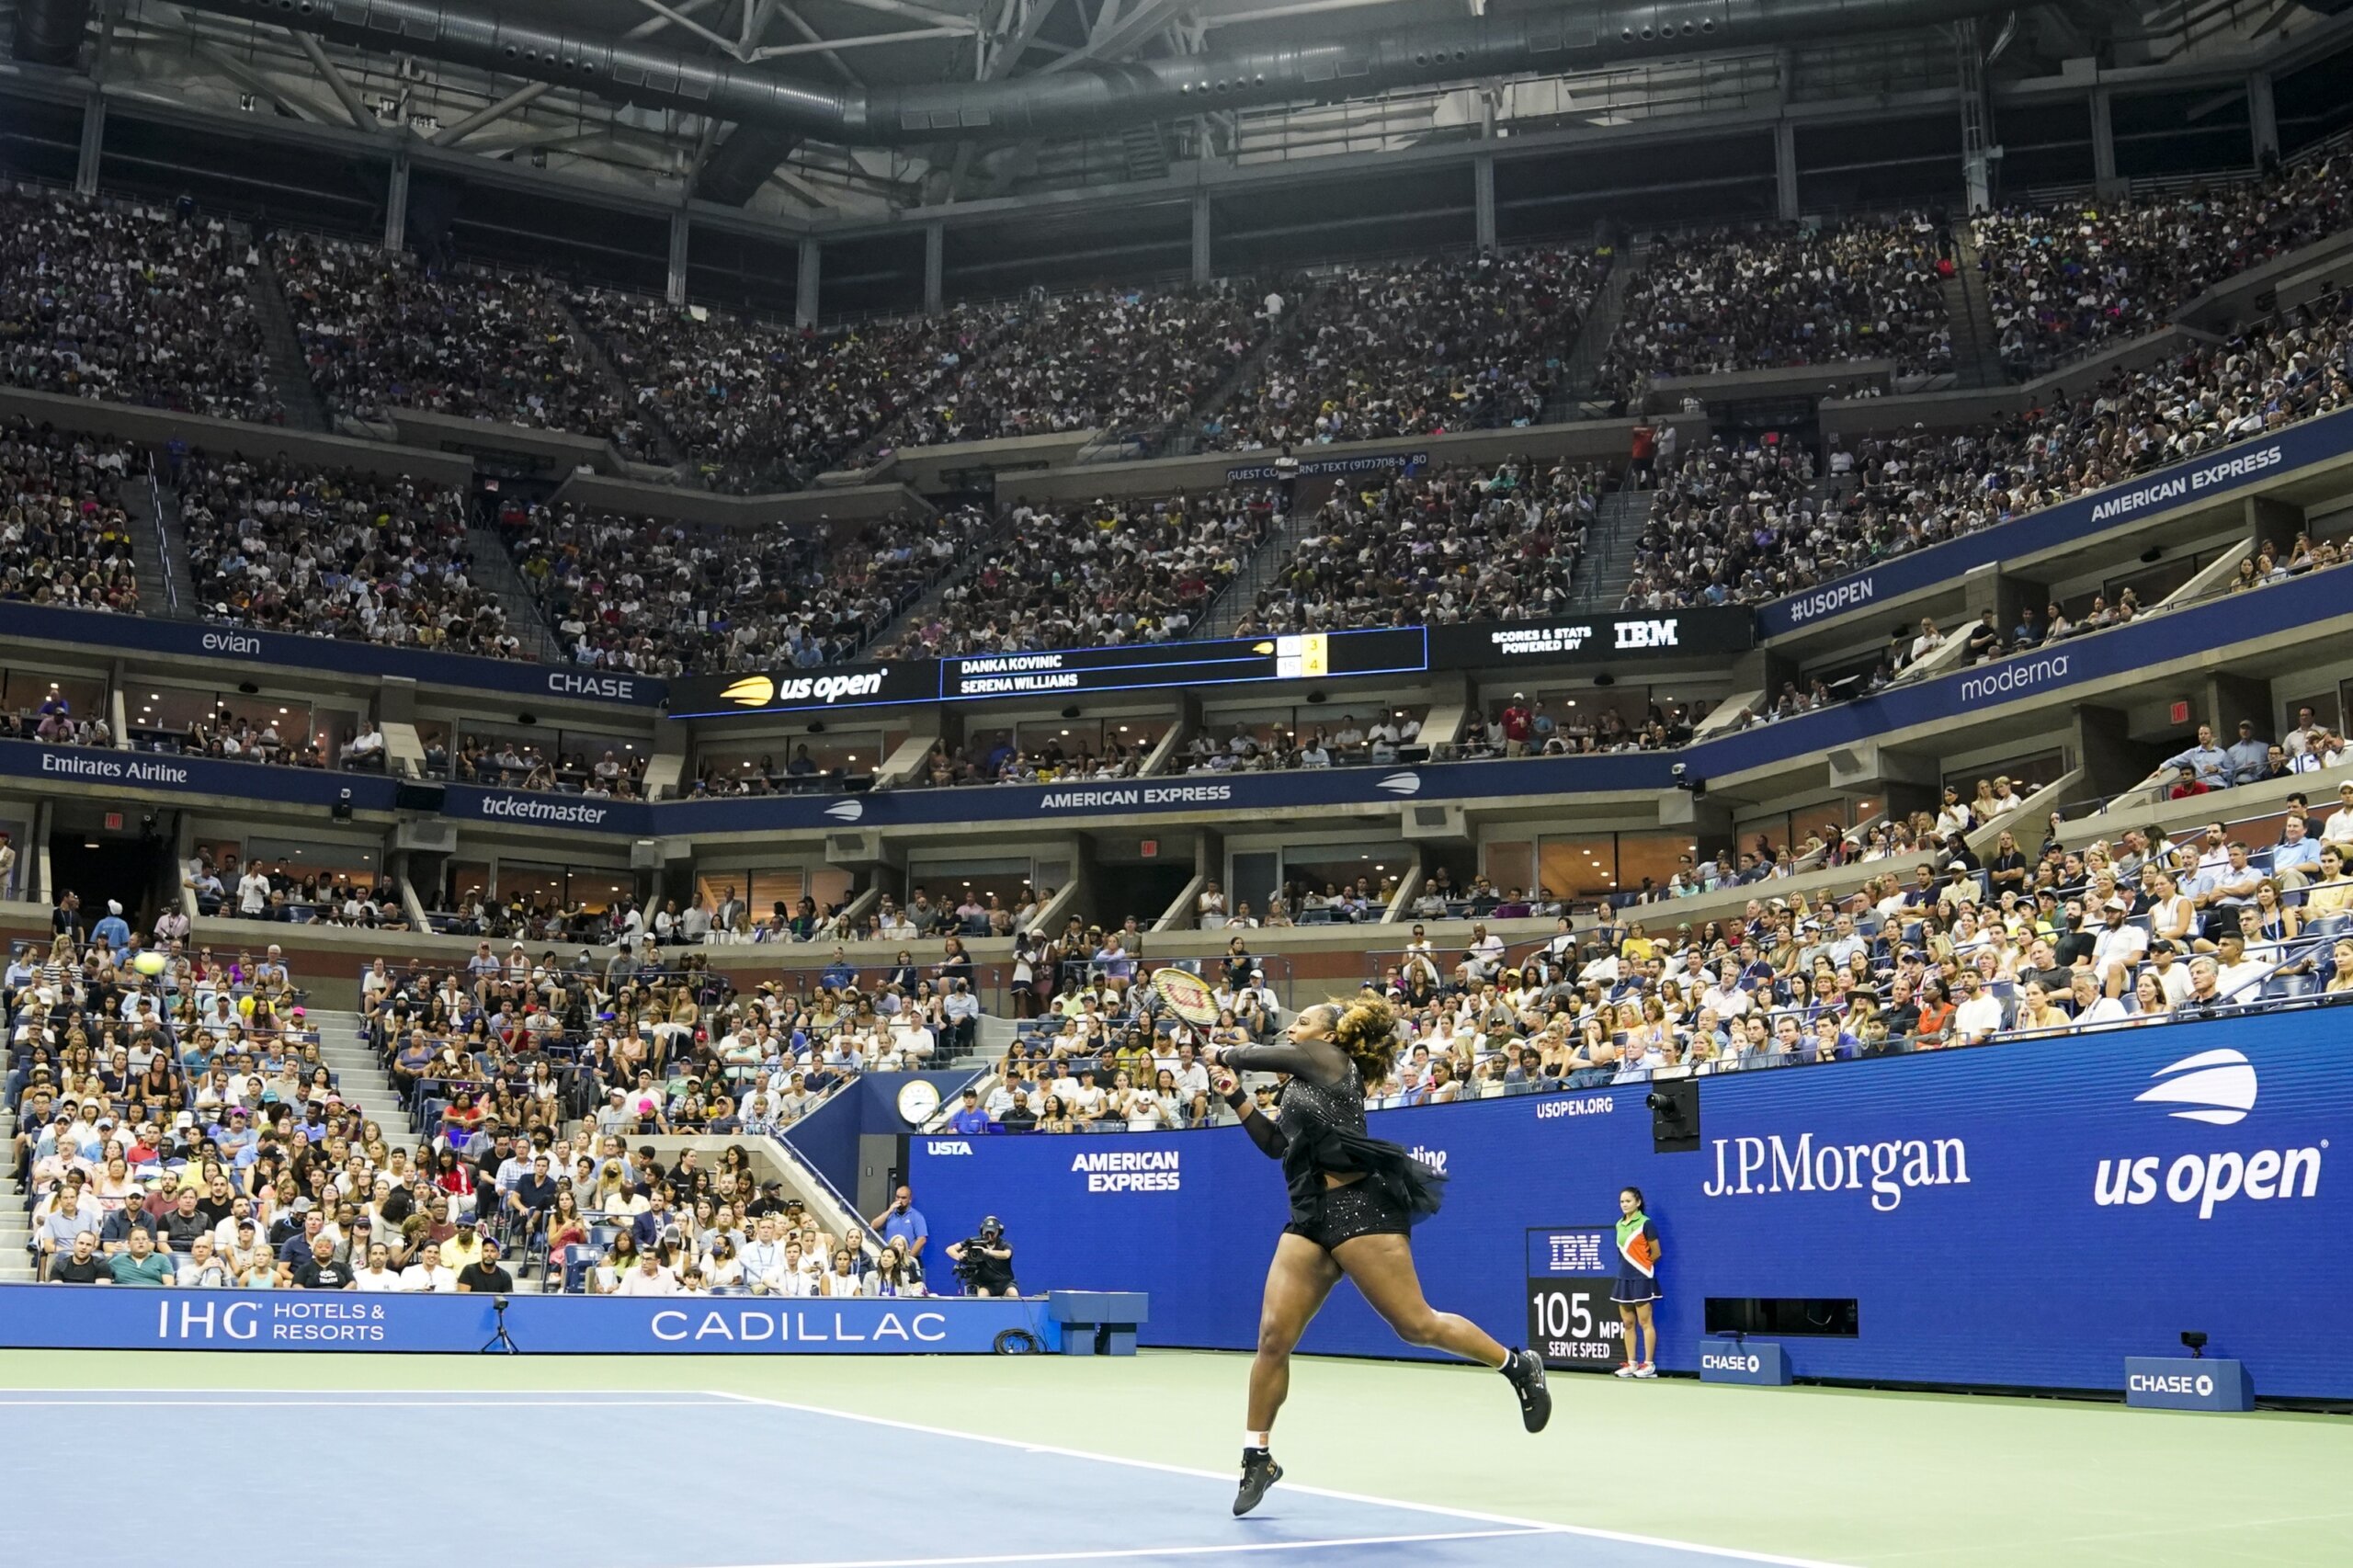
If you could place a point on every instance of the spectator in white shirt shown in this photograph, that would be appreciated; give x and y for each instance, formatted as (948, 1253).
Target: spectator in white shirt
(648, 1278)
(428, 1275)
(2238, 977)
(378, 1276)
(2120, 944)
(1979, 1017)
(2338, 829)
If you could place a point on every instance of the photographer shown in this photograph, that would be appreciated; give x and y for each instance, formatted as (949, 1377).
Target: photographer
(984, 1263)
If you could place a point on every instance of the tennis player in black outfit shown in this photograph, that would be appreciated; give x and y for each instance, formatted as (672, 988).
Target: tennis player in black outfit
(1353, 1198)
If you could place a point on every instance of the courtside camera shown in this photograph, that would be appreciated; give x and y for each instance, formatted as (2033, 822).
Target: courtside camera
(2194, 1342)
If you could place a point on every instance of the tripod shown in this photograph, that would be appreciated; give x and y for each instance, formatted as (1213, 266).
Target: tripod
(500, 1341)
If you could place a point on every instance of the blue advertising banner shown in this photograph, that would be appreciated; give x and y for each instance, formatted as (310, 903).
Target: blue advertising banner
(300, 655)
(116, 1317)
(2137, 645)
(2205, 478)
(137, 771)
(2019, 1216)
(2304, 602)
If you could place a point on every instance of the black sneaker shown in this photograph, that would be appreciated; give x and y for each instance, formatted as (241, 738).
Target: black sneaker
(1525, 1373)
(1259, 1472)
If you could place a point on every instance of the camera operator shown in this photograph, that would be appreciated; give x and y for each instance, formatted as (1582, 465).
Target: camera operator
(984, 1263)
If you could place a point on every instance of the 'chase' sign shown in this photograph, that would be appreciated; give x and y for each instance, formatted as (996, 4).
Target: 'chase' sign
(2175, 1382)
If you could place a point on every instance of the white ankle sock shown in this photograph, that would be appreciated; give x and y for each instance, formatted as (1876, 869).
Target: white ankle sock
(1258, 1440)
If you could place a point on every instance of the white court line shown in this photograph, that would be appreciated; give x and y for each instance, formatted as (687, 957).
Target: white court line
(1111, 1553)
(298, 1402)
(1547, 1525)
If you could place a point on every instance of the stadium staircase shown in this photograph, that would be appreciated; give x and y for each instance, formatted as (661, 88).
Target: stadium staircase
(600, 365)
(1581, 375)
(1608, 564)
(15, 1219)
(1240, 594)
(494, 568)
(289, 368)
(148, 530)
(1976, 346)
(1184, 437)
(1145, 150)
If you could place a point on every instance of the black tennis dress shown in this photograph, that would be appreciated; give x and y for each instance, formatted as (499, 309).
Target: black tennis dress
(1318, 1131)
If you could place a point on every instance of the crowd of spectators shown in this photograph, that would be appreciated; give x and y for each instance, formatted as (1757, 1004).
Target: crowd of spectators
(2063, 280)
(65, 536)
(1737, 524)
(1774, 298)
(1458, 544)
(1930, 945)
(995, 759)
(1267, 747)
(129, 303)
(758, 406)
(509, 764)
(1419, 349)
(1128, 359)
(664, 597)
(1110, 571)
(251, 890)
(383, 332)
(292, 548)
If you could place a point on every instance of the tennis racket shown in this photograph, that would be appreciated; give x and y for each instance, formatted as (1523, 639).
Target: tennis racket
(1186, 995)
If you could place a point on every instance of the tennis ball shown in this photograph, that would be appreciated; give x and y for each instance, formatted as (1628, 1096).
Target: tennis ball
(148, 963)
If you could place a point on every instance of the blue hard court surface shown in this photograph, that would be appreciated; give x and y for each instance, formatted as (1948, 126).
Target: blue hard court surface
(732, 1481)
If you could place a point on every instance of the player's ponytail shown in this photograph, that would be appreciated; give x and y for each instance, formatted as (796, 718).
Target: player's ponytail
(1367, 1030)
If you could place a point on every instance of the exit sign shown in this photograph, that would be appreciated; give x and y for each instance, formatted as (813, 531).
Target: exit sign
(1151, 848)
(114, 822)
(2181, 713)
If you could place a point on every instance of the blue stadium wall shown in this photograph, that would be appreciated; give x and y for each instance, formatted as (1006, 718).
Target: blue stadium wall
(2019, 1216)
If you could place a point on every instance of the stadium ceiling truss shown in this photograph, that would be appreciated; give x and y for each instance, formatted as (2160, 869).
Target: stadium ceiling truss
(284, 59)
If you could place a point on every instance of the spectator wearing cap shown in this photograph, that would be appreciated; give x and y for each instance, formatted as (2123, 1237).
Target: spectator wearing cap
(2120, 944)
(969, 1117)
(112, 931)
(465, 1247)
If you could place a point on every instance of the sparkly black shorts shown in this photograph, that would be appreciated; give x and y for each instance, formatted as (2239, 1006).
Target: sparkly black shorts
(1344, 1214)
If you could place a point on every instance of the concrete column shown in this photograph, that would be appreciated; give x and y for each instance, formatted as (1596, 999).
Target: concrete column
(1482, 198)
(2229, 699)
(2105, 752)
(934, 266)
(396, 207)
(679, 229)
(2263, 117)
(2270, 520)
(1200, 236)
(2007, 597)
(804, 305)
(2103, 138)
(94, 136)
(1785, 167)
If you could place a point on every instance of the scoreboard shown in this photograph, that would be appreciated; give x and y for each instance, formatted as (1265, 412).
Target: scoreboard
(1571, 1272)
(1312, 656)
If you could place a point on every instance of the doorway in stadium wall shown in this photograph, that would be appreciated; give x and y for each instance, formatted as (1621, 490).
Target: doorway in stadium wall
(121, 853)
